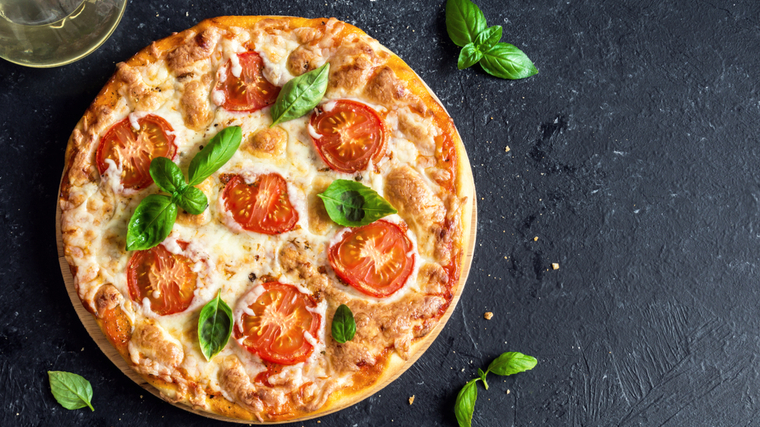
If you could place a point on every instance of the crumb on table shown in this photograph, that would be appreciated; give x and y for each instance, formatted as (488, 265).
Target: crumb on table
(555, 266)
(411, 400)
(535, 239)
(488, 315)
(506, 150)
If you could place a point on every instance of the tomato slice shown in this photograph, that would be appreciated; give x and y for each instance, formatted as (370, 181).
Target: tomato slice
(166, 279)
(350, 135)
(375, 259)
(281, 316)
(261, 207)
(133, 149)
(249, 92)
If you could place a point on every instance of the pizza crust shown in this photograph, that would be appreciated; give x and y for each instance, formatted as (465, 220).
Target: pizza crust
(361, 68)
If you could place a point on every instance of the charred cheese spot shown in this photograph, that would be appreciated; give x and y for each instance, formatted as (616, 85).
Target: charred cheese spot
(351, 67)
(266, 143)
(197, 47)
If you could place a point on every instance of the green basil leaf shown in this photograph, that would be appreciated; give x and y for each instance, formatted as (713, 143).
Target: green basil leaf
(511, 363)
(469, 56)
(352, 204)
(151, 223)
(483, 377)
(464, 21)
(72, 391)
(214, 326)
(300, 95)
(217, 152)
(507, 62)
(192, 200)
(488, 38)
(465, 404)
(167, 175)
(343, 324)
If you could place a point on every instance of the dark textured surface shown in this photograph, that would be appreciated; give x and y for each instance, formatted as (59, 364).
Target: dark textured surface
(634, 160)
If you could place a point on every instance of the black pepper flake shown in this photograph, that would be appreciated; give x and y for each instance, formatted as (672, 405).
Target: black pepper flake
(358, 178)
(252, 277)
(200, 148)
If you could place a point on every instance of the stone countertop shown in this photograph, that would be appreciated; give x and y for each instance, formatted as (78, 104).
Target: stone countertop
(632, 163)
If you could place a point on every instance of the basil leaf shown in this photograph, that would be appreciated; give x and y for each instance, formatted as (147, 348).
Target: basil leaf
(151, 223)
(511, 363)
(483, 377)
(167, 175)
(507, 62)
(343, 324)
(214, 326)
(219, 151)
(191, 200)
(464, 21)
(352, 204)
(300, 95)
(72, 391)
(469, 56)
(488, 38)
(465, 404)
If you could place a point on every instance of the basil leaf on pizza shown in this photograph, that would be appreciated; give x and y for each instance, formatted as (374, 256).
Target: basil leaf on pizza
(469, 56)
(167, 175)
(72, 391)
(192, 200)
(511, 363)
(343, 324)
(352, 204)
(151, 223)
(465, 403)
(215, 154)
(464, 21)
(214, 326)
(300, 95)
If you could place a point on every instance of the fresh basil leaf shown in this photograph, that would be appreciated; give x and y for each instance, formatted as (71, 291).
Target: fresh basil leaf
(507, 62)
(217, 152)
(300, 95)
(469, 56)
(192, 200)
(344, 199)
(167, 175)
(482, 376)
(511, 363)
(465, 404)
(343, 324)
(151, 223)
(72, 391)
(214, 326)
(488, 38)
(464, 21)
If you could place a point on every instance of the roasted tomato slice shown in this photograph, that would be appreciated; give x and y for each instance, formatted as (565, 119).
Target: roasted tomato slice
(261, 207)
(134, 149)
(249, 92)
(350, 135)
(166, 279)
(375, 259)
(275, 325)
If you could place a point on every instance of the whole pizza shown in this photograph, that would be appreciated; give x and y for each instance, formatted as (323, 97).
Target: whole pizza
(266, 215)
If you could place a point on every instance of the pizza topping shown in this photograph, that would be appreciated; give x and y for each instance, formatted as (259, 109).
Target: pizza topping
(343, 324)
(262, 206)
(353, 204)
(167, 280)
(131, 148)
(214, 326)
(300, 95)
(151, 341)
(248, 91)
(348, 135)
(281, 325)
(376, 259)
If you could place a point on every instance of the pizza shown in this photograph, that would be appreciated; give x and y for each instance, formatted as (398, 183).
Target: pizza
(265, 243)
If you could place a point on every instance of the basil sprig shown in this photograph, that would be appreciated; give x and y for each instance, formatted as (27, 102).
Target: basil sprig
(154, 217)
(352, 204)
(300, 95)
(214, 326)
(467, 28)
(72, 391)
(508, 363)
(343, 324)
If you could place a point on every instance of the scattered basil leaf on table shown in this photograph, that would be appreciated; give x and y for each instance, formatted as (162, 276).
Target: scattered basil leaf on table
(300, 95)
(72, 391)
(482, 376)
(469, 56)
(214, 326)
(167, 175)
(343, 324)
(352, 204)
(464, 21)
(488, 38)
(215, 154)
(192, 200)
(508, 62)
(464, 407)
(511, 363)
(151, 223)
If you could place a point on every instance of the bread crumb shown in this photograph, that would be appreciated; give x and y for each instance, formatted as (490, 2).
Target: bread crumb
(555, 266)
(507, 391)
(411, 400)
(488, 315)
(535, 239)
(506, 150)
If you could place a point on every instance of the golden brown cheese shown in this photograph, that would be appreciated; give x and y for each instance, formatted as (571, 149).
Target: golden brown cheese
(194, 103)
(152, 342)
(234, 380)
(107, 298)
(266, 143)
(319, 221)
(197, 47)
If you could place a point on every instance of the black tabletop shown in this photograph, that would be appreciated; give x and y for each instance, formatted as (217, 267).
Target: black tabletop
(631, 161)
